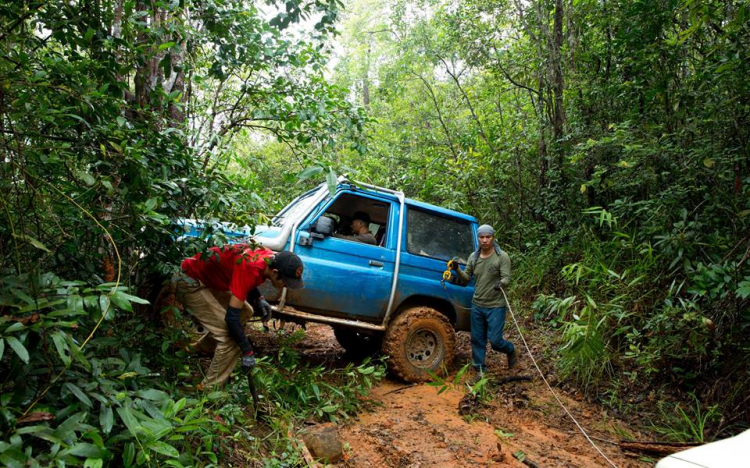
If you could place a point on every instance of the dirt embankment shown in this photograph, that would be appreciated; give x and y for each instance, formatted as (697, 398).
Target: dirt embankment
(521, 425)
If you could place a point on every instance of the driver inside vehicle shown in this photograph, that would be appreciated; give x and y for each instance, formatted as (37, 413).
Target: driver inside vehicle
(360, 229)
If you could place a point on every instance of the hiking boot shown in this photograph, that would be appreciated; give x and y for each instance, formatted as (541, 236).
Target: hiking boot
(512, 359)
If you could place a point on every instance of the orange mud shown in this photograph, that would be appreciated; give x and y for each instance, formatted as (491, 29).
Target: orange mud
(412, 426)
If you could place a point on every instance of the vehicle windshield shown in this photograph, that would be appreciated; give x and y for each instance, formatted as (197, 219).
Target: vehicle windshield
(298, 206)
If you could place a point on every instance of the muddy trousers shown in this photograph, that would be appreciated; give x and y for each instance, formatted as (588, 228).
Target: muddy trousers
(487, 322)
(209, 307)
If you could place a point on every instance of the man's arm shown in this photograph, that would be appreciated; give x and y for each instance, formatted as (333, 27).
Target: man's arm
(505, 267)
(234, 324)
(464, 277)
(363, 238)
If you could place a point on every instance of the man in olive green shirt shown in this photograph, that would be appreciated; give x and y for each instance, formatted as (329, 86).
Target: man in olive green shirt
(491, 268)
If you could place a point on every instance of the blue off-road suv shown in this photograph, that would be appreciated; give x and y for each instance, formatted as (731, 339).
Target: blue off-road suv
(386, 296)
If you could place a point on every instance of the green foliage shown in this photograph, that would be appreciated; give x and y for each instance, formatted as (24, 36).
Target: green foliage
(443, 385)
(476, 391)
(109, 404)
(689, 424)
(105, 402)
(115, 122)
(612, 159)
(299, 391)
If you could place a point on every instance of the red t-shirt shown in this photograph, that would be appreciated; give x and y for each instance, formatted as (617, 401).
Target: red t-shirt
(234, 268)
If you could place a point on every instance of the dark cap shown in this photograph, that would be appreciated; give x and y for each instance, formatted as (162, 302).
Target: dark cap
(362, 216)
(290, 268)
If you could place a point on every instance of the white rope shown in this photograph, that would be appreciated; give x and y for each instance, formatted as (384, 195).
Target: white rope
(528, 350)
(541, 374)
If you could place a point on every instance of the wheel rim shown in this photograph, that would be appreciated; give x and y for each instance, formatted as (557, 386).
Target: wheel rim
(424, 349)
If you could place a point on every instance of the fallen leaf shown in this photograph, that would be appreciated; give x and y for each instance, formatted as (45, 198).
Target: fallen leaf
(35, 417)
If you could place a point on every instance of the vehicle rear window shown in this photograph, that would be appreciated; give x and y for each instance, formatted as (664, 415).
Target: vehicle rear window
(434, 236)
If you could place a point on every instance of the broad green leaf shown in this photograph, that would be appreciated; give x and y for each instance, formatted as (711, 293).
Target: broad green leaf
(166, 45)
(83, 449)
(153, 394)
(121, 302)
(2, 348)
(41, 432)
(179, 405)
(87, 178)
(33, 241)
(61, 344)
(128, 454)
(13, 458)
(331, 181)
(23, 296)
(14, 328)
(75, 390)
(106, 306)
(128, 419)
(106, 419)
(309, 172)
(132, 298)
(93, 463)
(164, 449)
(177, 464)
(19, 348)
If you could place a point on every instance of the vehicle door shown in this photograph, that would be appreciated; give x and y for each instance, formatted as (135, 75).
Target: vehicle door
(430, 240)
(345, 278)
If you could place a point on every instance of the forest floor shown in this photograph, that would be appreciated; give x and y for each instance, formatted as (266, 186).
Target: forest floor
(521, 425)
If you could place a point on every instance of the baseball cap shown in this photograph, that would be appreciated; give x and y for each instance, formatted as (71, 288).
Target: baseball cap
(290, 268)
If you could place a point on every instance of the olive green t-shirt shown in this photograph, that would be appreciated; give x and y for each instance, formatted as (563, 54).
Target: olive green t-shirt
(488, 271)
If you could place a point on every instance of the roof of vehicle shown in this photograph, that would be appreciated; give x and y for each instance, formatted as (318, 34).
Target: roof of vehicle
(418, 204)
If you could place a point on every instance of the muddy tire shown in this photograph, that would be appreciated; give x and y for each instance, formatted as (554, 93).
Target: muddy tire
(418, 341)
(357, 343)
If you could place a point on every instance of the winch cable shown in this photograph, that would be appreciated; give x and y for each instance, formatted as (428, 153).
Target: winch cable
(541, 374)
(539, 370)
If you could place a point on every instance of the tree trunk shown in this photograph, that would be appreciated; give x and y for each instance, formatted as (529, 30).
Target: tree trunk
(558, 112)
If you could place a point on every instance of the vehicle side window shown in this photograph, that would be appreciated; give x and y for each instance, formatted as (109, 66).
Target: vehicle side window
(433, 236)
(347, 206)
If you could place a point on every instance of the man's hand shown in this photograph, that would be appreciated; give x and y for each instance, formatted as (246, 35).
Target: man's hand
(454, 263)
(264, 309)
(249, 361)
(498, 285)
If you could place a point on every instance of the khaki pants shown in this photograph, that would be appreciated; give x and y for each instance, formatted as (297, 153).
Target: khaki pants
(209, 307)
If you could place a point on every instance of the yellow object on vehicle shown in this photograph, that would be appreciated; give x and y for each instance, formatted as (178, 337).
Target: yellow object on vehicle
(447, 273)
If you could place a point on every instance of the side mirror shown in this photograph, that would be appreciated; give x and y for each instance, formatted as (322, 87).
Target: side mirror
(323, 226)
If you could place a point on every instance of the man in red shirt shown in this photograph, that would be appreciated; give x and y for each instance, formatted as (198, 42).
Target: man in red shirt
(216, 288)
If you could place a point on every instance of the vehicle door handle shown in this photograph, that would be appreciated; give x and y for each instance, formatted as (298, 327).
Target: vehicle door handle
(375, 263)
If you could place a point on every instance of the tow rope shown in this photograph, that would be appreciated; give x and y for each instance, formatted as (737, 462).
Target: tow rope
(447, 277)
(541, 374)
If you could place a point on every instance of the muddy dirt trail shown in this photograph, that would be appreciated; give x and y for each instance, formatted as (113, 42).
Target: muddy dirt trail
(521, 426)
